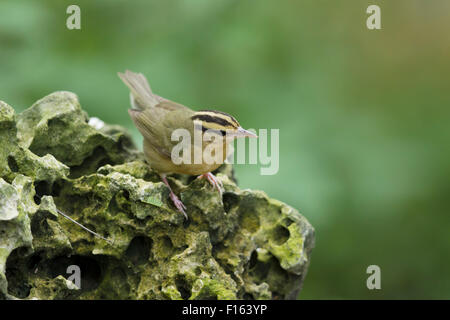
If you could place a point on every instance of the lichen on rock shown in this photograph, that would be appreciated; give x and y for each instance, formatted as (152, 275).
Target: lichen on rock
(242, 245)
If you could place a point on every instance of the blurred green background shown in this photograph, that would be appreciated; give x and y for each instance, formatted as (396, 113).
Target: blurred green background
(363, 115)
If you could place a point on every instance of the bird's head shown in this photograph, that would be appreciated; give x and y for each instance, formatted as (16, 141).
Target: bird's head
(221, 123)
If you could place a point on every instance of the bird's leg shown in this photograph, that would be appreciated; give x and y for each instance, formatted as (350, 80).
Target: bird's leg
(177, 202)
(213, 180)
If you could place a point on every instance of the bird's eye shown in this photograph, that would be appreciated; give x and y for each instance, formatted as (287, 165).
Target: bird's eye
(221, 132)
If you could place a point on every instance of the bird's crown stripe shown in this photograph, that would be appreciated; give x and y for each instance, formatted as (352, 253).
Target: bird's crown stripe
(221, 120)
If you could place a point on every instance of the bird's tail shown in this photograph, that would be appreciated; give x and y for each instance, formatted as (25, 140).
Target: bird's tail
(141, 94)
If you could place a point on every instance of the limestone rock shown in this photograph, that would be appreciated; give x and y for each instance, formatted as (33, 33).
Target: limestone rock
(242, 245)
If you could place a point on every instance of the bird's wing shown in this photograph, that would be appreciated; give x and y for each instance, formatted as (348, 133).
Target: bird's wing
(157, 124)
(148, 122)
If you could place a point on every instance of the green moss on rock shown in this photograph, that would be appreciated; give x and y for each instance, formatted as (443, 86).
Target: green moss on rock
(242, 245)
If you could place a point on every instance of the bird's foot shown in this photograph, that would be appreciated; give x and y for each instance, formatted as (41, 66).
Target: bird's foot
(213, 180)
(178, 204)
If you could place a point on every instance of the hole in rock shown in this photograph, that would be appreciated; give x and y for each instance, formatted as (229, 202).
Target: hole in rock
(56, 188)
(97, 159)
(42, 188)
(16, 273)
(91, 271)
(230, 201)
(166, 244)
(280, 235)
(12, 164)
(253, 260)
(183, 287)
(138, 250)
(33, 262)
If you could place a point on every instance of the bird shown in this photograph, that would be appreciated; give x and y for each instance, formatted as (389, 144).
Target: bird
(156, 118)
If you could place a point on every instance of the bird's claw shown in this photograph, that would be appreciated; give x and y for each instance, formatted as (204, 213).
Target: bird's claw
(178, 204)
(216, 183)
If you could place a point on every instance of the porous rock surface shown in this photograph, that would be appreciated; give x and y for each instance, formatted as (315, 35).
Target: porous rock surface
(242, 245)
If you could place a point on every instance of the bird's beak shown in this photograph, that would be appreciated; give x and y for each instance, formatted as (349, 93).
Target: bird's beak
(241, 132)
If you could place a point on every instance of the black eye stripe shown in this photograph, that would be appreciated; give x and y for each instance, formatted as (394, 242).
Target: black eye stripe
(212, 119)
(224, 113)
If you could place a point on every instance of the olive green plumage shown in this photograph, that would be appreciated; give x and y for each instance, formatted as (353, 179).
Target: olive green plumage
(156, 119)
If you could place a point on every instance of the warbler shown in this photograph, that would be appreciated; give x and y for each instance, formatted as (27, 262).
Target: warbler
(157, 118)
